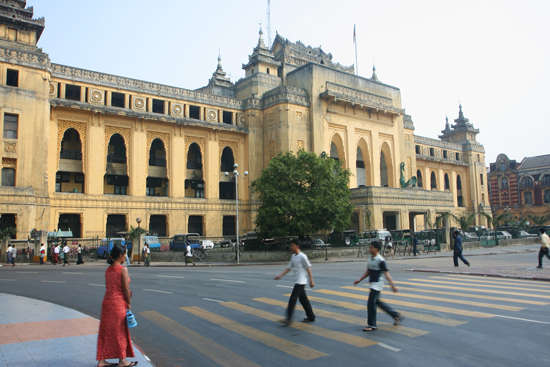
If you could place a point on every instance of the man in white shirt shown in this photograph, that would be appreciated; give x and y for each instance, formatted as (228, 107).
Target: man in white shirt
(8, 254)
(66, 251)
(188, 255)
(13, 255)
(544, 248)
(301, 265)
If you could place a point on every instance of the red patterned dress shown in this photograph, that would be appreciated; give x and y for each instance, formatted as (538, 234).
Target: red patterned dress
(113, 340)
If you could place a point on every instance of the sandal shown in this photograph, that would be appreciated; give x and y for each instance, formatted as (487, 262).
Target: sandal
(134, 363)
(308, 320)
(107, 365)
(369, 328)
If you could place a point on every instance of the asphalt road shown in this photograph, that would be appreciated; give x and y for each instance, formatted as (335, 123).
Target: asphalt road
(227, 315)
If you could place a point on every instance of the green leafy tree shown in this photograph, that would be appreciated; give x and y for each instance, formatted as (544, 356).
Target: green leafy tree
(540, 220)
(302, 192)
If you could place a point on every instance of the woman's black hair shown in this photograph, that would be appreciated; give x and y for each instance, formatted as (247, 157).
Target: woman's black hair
(115, 253)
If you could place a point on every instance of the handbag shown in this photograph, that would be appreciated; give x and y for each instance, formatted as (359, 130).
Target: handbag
(130, 319)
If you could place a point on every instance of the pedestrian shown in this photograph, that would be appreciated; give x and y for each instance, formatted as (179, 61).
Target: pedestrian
(389, 247)
(66, 251)
(544, 246)
(188, 255)
(42, 253)
(56, 254)
(415, 244)
(458, 250)
(127, 257)
(13, 255)
(8, 254)
(147, 255)
(144, 253)
(113, 339)
(375, 267)
(79, 254)
(301, 265)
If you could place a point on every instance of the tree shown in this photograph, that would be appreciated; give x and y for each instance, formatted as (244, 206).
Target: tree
(540, 220)
(302, 192)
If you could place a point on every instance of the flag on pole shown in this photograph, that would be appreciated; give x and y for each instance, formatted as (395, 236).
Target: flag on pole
(354, 33)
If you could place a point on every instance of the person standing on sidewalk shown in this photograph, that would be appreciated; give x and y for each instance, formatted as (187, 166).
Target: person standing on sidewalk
(375, 267)
(42, 253)
(301, 265)
(457, 254)
(113, 339)
(147, 255)
(188, 255)
(544, 247)
(13, 255)
(55, 254)
(79, 252)
(8, 254)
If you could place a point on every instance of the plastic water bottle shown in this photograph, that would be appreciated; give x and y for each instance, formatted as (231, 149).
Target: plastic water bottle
(130, 318)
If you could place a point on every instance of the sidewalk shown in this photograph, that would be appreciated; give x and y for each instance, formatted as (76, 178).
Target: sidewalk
(36, 333)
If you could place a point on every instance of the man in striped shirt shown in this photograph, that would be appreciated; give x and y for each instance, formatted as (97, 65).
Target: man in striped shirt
(375, 269)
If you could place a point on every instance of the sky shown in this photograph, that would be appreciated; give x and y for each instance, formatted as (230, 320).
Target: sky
(491, 55)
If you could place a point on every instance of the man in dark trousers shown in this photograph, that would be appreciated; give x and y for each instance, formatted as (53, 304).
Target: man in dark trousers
(415, 243)
(458, 249)
(301, 265)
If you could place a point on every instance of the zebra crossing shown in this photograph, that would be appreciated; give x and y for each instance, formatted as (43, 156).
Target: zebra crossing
(430, 305)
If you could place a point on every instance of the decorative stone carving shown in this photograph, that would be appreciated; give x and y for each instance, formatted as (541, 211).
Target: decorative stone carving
(300, 145)
(212, 115)
(138, 103)
(81, 127)
(110, 131)
(241, 119)
(165, 137)
(9, 162)
(354, 96)
(10, 147)
(233, 145)
(53, 89)
(272, 149)
(177, 109)
(271, 117)
(22, 57)
(96, 96)
(299, 116)
(285, 94)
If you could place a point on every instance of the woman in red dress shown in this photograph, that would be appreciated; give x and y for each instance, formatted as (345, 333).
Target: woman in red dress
(113, 340)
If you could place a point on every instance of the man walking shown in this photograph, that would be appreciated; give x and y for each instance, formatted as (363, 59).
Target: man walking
(457, 254)
(544, 248)
(301, 265)
(13, 255)
(188, 255)
(415, 243)
(375, 267)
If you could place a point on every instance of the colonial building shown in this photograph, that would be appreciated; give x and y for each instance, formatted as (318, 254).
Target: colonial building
(93, 152)
(523, 189)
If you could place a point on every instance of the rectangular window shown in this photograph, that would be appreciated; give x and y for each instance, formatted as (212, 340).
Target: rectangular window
(72, 92)
(117, 99)
(12, 78)
(10, 126)
(228, 225)
(194, 112)
(158, 106)
(8, 176)
(417, 148)
(457, 156)
(227, 117)
(445, 155)
(481, 178)
(432, 152)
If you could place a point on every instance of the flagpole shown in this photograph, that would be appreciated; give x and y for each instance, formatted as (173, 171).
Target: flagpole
(355, 41)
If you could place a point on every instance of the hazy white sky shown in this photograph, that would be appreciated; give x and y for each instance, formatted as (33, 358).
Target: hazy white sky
(492, 55)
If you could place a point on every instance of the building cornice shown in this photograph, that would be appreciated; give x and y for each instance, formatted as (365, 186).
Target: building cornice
(285, 94)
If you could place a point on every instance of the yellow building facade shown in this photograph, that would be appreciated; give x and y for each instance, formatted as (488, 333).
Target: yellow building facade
(93, 152)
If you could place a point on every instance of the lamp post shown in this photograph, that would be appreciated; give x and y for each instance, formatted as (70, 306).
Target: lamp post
(138, 220)
(236, 175)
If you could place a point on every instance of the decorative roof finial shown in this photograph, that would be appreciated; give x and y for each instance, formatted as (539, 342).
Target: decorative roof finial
(219, 59)
(374, 77)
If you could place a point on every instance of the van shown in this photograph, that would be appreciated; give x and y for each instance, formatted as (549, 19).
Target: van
(379, 235)
(179, 242)
(104, 249)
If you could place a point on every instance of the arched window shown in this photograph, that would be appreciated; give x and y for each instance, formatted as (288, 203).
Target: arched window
(459, 197)
(157, 180)
(545, 180)
(433, 181)
(527, 182)
(419, 178)
(115, 181)
(194, 183)
(194, 157)
(334, 152)
(71, 179)
(227, 161)
(528, 197)
(360, 166)
(447, 184)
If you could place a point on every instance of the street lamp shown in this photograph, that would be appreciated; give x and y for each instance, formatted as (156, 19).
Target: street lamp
(236, 175)
(138, 220)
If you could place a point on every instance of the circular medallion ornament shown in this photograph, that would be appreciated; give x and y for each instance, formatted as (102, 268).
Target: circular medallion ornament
(211, 115)
(96, 96)
(177, 110)
(52, 89)
(242, 119)
(139, 103)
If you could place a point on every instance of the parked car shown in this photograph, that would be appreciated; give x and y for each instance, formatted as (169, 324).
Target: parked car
(525, 234)
(180, 241)
(470, 236)
(379, 235)
(207, 244)
(500, 235)
(227, 243)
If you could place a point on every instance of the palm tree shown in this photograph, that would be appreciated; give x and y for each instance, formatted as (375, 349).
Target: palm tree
(540, 220)
(133, 234)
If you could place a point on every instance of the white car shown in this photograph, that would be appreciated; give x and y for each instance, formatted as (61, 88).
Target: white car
(501, 235)
(206, 244)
